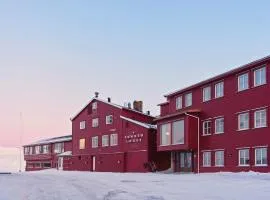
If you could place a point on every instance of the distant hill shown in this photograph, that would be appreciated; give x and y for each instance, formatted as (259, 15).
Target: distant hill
(10, 159)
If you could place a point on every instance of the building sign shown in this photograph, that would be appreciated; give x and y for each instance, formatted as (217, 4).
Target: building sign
(134, 138)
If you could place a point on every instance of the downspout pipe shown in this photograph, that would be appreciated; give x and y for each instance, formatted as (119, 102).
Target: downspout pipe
(198, 154)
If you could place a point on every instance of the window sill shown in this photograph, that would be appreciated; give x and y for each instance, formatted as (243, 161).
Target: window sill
(219, 165)
(255, 86)
(243, 165)
(246, 129)
(206, 166)
(243, 90)
(206, 134)
(219, 97)
(260, 166)
(219, 133)
(260, 127)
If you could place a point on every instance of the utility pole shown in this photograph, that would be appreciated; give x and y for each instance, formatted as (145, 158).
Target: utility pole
(21, 137)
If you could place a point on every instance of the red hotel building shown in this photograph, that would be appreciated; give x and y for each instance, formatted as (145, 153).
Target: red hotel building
(48, 153)
(111, 138)
(222, 122)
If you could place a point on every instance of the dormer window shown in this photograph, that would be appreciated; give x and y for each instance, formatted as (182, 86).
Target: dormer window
(260, 77)
(179, 102)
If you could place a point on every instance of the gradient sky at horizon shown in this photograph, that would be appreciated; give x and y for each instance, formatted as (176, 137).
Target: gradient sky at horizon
(55, 54)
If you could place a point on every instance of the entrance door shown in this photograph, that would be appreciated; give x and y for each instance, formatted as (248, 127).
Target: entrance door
(60, 163)
(93, 163)
(186, 162)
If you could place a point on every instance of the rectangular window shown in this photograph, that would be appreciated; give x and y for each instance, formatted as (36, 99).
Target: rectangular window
(82, 125)
(114, 139)
(260, 77)
(188, 100)
(243, 82)
(261, 156)
(165, 132)
(219, 158)
(37, 149)
(95, 122)
(45, 149)
(95, 142)
(179, 103)
(94, 106)
(260, 119)
(109, 119)
(82, 143)
(26, 150)
(30, 150)
(105, 140)
(207, 127)
(219, 90)
(219, 125)
(59, 148)
(243, 121)
(206, 94)
(178, 132)
(207, 159)
(244, 157)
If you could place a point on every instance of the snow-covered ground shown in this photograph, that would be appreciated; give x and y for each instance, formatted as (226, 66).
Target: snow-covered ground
(10, 159)
(51, 184)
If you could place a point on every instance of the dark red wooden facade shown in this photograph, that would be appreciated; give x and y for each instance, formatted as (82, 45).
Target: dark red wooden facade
(228, 107)
(136, 143)
(47, 159)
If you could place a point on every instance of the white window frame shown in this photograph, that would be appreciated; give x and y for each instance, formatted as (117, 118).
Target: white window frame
(188, 99)
(216, 125)
(82, 125)
(207, 161)
(204, 123)
(30, 150)
(59, 147)
(206, 93)
(219, 89)
(261, 81)
(94, 106)
(95, 122)
(219, 159)
(105, 140)
(95, 142)
(255, 119)
(239, 121)
(179, 103)
(37, 148)
(261, 165)
(45, 149)
(172, 132)
(242, 87)
(246, 156)
(114, 139)
(167, 134)
(109, 119)
(80, 144)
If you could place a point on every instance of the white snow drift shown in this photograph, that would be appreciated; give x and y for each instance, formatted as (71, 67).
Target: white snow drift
(51, 184)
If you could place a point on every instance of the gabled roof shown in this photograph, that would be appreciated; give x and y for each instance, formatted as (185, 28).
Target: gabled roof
(145, 125)
(65, 138)
(111, 104)
(215, 78)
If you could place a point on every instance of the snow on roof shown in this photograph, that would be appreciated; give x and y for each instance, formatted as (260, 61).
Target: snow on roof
(238, 69)
(145, 125)
(52, 140)
(66, 153)
(109, 103)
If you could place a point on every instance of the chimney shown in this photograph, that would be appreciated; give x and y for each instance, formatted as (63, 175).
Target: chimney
(109, 99)
(96, 94)
(138, 105)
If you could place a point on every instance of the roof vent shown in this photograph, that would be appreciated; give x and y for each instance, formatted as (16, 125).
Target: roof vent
(96, 94)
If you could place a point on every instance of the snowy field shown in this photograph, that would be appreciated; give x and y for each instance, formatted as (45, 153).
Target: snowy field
(10, 159)
(51, 184)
